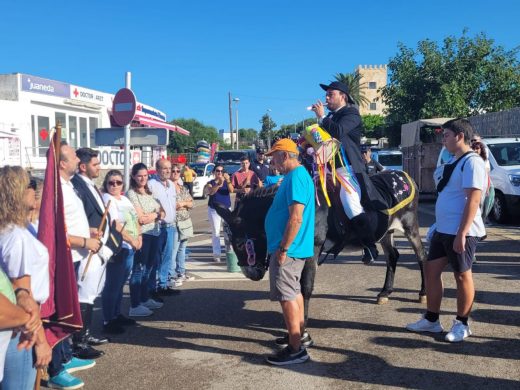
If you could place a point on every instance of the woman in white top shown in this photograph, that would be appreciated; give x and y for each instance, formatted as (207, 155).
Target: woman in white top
(26, 262)
(119, 267)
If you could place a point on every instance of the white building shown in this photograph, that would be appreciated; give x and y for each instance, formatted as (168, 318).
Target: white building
(30, 107)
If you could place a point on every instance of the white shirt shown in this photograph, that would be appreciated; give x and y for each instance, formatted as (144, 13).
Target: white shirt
(452, 199)
(123, 211)
(75, 218)
(21, 255)
(166, 196)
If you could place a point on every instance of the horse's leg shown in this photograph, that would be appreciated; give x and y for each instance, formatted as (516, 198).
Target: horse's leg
(307, 284)
(411, 231)
(392, 254)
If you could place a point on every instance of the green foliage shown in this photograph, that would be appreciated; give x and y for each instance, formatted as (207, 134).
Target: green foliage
(198, 131)
(374, 125)
(247, 136)
(267, 128)
(462, 77)
(355, 86)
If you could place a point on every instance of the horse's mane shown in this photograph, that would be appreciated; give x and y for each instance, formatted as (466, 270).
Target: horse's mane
(261, 193)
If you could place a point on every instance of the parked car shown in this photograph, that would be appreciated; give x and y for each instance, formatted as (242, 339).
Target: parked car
(234, 156)
(204, 174)
(504, 159)
(390, 159)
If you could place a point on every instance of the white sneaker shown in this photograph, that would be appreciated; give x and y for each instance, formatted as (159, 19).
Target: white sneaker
(140, 311)
(185, 278)
(458, 332)
(151, 304)
(216, 259)
(423, 325)
(174, 283)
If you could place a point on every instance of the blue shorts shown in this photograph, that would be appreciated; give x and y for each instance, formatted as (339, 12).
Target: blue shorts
(441, 245)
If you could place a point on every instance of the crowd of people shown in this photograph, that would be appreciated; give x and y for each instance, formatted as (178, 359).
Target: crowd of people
(140, 234)
(116, 235)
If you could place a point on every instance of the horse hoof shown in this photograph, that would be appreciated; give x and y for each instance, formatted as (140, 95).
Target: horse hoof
(422, 298)
(382, 300)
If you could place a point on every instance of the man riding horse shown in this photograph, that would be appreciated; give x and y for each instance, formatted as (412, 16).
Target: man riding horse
(344, 123)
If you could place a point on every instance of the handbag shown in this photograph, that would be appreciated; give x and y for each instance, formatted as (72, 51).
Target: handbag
(185, 229)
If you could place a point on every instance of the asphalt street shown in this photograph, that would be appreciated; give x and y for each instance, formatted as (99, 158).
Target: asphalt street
(217, 332)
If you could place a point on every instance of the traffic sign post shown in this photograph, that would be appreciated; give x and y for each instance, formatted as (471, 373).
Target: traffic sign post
(123, 111)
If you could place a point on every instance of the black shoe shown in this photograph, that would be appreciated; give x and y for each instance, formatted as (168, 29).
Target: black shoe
(166, 292)
(85, 351)
(369, 254)
(287, 356)
(156, 297)
(113, 327)
(125, 321)
(92, 340)
(306, 340)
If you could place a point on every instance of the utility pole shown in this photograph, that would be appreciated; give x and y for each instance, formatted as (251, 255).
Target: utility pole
(230, 120)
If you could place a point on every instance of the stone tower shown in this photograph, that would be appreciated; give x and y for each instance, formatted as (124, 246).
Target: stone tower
(373, 78)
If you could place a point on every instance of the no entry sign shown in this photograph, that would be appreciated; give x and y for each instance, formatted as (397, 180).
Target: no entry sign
(123, 108)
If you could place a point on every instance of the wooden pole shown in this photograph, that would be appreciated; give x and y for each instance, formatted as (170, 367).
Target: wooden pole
(99, 231)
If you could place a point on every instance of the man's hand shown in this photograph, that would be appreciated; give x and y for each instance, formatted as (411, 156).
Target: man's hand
(93, 244)
(43, 352)
(319, 109)
(281, 256)
(459, 244)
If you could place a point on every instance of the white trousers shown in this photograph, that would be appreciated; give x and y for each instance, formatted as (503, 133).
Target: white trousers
(92, 286)
(351, 201)
(215, 221)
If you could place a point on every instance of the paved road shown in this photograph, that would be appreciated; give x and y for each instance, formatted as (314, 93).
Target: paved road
(216, 334)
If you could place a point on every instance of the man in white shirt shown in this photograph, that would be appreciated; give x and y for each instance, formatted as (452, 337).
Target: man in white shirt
(459, 227)
(163, 190)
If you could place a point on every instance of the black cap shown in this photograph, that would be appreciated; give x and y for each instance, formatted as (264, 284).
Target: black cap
(337, 85)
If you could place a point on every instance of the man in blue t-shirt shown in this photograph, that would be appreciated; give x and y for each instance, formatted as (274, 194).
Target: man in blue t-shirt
(289, 226)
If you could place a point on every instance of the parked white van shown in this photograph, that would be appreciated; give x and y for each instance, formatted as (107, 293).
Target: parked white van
(504, 160)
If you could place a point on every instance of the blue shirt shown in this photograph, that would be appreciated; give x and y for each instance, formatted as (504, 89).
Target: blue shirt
(296, 187)
(271, 180)
(221, 196)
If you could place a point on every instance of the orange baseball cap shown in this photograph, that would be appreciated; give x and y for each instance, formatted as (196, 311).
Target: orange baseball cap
(284, 145)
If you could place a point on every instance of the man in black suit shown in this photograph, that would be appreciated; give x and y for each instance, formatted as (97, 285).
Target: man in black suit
(89, 289)
(344, 123)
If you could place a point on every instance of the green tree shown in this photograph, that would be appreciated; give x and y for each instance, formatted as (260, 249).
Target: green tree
(247, 136)
(461, 77)
(374, 125)
(355, 86)
(266, 132)
(198, 131)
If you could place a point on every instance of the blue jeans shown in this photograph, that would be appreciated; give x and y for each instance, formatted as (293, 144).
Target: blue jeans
(118, 271)
(167, 255)
(19, 373)
(179, 260)
(61, 354)
(144, 261)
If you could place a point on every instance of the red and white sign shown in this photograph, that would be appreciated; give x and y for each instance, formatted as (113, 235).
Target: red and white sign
(124, 106)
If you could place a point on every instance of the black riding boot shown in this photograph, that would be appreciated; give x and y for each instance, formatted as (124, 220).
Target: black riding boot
(81, 347)
(365, 233)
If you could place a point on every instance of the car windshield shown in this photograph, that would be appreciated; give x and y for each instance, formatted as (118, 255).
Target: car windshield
(506, 154)
(228, 156)
(390, 159)
(231, 168)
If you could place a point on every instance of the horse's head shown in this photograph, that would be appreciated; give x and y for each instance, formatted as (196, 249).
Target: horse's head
(246, 231)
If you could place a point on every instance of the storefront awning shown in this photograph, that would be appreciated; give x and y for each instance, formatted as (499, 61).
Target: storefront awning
(158, 123)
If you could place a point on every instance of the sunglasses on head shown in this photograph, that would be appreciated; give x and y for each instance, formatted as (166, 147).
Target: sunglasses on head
(115, 183)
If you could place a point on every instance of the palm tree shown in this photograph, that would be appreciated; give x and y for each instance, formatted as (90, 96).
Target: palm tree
(355, 86)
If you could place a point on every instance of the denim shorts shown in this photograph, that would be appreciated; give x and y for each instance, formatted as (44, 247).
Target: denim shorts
(441, 245)
(285, 279)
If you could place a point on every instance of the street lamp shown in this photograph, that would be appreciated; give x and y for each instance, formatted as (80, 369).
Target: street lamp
(236, 100)
(268, 129)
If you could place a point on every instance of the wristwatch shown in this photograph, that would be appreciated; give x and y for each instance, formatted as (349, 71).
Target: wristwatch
(282, 249)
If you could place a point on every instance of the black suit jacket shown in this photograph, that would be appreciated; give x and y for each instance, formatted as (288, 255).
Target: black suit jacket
(95, 213)
(346, 126)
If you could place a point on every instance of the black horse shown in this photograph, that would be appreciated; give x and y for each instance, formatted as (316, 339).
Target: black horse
(249, 241)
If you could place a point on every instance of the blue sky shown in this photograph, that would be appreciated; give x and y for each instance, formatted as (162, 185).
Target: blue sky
(186, 56)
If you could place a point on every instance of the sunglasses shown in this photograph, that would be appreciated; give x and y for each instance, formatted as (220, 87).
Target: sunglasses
(175, 171)
(219, 170)
(32, 185)
(115, 183)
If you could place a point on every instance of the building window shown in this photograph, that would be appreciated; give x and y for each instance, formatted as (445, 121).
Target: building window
(73, 131)
(92, 126)
(372, 85)
(60, 117)
(83, 132)
(373, 106)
